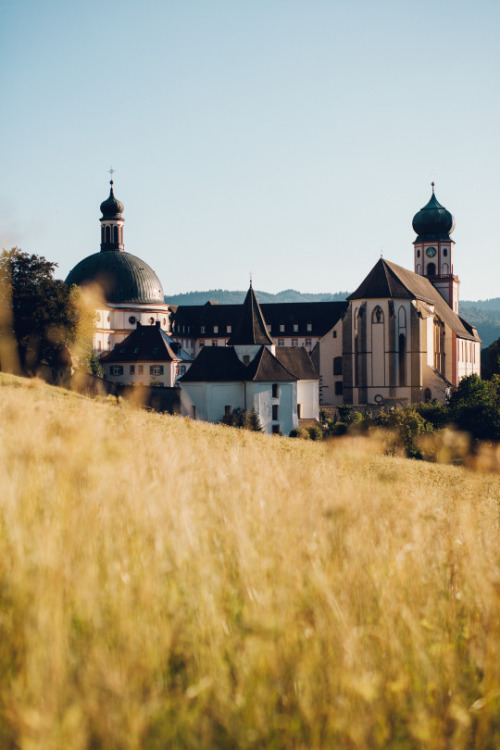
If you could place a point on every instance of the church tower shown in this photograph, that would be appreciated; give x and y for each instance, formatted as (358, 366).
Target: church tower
(433, 253)
(112, 223)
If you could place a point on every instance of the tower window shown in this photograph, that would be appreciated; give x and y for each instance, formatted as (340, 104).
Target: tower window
(115, 234)
(108, 234)
(431, 269)
(445, 252)
(418, 253)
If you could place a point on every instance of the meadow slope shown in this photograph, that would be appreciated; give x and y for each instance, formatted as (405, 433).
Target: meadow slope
(166, 583)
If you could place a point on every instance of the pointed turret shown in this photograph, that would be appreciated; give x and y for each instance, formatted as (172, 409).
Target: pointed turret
(251, 328)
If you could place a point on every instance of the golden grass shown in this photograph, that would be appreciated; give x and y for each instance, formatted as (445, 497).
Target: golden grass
(165, 583)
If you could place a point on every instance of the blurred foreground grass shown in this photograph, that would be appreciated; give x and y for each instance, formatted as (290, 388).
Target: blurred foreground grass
(165, 583)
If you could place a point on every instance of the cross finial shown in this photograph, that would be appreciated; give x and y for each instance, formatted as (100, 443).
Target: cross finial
(111, 172)
(250, 278)
(432, 186)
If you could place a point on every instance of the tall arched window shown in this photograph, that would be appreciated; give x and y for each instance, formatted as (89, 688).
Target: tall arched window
(431, 269)
(402, 359)
(108, 234)
(402, 317)
(378, 315)
(445, 268)
(115, 234)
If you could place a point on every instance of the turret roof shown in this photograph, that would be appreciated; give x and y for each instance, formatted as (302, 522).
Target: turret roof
(251, 327)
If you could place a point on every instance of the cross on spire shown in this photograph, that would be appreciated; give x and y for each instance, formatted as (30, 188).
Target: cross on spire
(111, 172)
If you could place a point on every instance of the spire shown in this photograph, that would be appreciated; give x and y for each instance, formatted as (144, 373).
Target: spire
(252, 328)
(112, 221)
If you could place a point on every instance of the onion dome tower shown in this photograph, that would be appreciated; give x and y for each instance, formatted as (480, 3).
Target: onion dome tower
(124, 278)
(433, 249)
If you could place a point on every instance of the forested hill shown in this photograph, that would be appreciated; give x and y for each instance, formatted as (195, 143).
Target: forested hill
(227, 297)
(484, 314)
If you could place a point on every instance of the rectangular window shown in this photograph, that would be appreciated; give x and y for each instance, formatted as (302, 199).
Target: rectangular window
(282, 328)
(276, 411)
(132, 369)
(337, 365)
(295, 342)
(308, 342)
(156, 370)
(339, 388)
(295, 327)
(116, 369)
(276, 429)
(229, 329)
(309, 327)
(140, 369)
(281, 342)
(216, 329)
(299, 410)
(214, 342)
(276, 392)
(269, 328)
(335, 334)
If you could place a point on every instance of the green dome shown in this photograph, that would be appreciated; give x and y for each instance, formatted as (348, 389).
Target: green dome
(122, 277)
(433, 221)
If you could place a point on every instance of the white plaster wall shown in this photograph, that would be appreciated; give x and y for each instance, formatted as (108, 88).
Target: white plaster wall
(145, 378)
(259, 395)
(308, 398)
(220, 395)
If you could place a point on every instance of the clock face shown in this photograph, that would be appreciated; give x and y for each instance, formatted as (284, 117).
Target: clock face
(430, 252)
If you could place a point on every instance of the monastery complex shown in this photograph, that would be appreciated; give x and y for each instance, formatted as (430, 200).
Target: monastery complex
(398, 339)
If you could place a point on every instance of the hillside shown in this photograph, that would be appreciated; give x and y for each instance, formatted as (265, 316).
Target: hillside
(167, 583)
(485, 314)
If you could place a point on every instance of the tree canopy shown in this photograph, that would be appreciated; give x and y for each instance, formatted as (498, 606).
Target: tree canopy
(38, 312)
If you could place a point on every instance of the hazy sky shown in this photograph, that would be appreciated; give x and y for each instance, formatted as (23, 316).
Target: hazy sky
(293, 139)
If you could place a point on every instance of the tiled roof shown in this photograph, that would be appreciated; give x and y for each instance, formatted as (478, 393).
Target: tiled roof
(320, 317)
(297, 361)
(251, 327)
(388, 280)
(147, 344)
(217, 364)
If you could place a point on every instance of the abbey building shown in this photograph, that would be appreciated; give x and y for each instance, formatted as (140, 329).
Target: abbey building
(398, 339)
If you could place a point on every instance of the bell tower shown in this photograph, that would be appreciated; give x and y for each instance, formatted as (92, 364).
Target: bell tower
(112, 223)
(434, 248)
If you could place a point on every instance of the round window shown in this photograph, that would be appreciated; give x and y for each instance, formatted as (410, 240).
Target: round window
(131, 320)
(151, 320)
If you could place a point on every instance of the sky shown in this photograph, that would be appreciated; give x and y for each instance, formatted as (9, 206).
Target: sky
(290, 139)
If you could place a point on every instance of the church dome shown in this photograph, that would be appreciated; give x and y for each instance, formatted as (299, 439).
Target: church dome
(111, 208)
(433, 221)
(122, 277)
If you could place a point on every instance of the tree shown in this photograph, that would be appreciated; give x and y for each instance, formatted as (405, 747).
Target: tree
(39, 312)
(474, 408)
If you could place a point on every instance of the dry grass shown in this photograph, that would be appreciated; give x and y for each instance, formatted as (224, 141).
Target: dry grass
(165, 583)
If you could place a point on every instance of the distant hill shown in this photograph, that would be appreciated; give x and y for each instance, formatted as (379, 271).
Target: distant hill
(484, 314)
(226, 297)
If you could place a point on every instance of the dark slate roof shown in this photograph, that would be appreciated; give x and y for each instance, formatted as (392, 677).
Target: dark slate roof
(265, 368)
(122, 277)
(387, 280)
(297, 361)
(147, 344)
(321, 316)
(218, 364)
(251, 327)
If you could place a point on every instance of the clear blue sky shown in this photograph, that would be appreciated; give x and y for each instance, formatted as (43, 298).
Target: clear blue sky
(295, 140)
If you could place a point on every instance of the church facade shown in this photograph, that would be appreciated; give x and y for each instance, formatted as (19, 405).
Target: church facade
(397, 339)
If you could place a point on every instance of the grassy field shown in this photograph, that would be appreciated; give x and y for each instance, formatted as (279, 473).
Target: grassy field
(172, 584)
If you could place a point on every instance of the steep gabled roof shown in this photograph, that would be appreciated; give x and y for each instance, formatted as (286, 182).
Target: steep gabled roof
(297, 361)
(220, 364)
(251, 327)
(266, 368)
(216, 364)
(147, 344)
(388, 280)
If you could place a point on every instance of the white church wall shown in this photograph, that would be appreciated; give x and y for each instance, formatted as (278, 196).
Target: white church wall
(222, 395)
(308, 398)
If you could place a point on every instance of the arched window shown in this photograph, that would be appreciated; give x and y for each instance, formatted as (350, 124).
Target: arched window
(427, 395)
(402, 317)
(108, 235)
(431, 269)
(445, 268)
(418, 253)
(445, 252)
(378, 315)
(115, 234)
(418, 268)
(402, 359)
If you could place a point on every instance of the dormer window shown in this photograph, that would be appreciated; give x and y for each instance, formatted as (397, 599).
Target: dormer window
(295, 327)
(216, 329)
(309, 327)
(202, 329)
